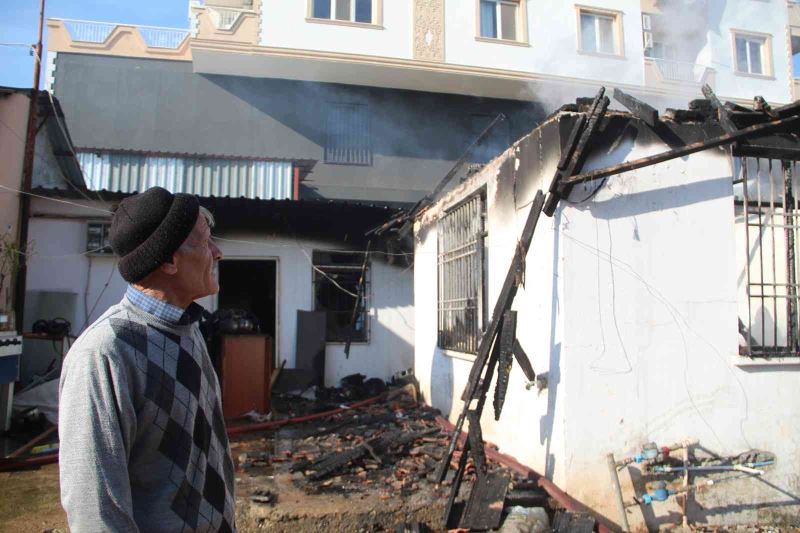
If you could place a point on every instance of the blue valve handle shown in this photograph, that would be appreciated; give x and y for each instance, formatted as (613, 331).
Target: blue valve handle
(658, 495)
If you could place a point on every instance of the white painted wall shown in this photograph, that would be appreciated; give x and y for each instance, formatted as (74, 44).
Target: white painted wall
(643, 345)
(391, 312)
(553, 50)
(762, 16)
(284, 25)
(59, 265)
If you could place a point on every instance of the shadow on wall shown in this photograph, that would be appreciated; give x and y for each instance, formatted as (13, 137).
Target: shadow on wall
(442, 382)
(554, 369)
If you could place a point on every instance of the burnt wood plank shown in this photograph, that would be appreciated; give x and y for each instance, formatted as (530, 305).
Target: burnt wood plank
(722, 113)
(507, 337)
(726, 138)
(523, 361)
(559, 188)
(504, 300)
(641, 110)
(485, 506)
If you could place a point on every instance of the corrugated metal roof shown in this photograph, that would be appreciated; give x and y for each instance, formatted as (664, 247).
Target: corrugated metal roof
(129, 173)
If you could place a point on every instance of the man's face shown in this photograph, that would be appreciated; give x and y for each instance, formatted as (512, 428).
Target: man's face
(196, 262)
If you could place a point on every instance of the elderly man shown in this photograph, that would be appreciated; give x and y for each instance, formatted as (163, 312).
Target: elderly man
(143, 442)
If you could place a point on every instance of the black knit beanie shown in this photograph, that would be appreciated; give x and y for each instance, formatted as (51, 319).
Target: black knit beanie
(148, 228)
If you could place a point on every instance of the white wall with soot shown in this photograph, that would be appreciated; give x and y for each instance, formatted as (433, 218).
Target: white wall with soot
(630, 306)
(59, 235)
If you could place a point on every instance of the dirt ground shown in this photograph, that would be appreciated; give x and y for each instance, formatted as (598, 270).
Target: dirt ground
(29, 503)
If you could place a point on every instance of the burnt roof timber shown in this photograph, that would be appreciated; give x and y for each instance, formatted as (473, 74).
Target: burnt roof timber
(641, 110)
(725, 138)
(723, 113)
(559, 186)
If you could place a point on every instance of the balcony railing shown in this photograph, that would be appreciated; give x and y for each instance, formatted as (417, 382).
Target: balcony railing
(680, 71)
(98, 32)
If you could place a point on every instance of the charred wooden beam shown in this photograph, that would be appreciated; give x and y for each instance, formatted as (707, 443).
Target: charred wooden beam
(523, 361)
(722, 112)
(641, 110)
(475, 437)
(559, 188)
(503, 303)
(484, 509)
(407, 218)
(727, 138)
(507, 337)
(759, 104)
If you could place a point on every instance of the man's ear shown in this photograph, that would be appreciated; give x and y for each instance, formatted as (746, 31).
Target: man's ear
(169, 267)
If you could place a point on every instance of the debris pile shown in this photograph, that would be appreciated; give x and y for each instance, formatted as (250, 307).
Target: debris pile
(384, 456)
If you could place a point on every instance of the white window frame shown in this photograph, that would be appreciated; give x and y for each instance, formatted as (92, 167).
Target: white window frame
(376, 22)
(521, 38)
(765, 42)
(616, 25)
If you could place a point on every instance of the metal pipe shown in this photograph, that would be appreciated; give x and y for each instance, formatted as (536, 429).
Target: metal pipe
(612, 471)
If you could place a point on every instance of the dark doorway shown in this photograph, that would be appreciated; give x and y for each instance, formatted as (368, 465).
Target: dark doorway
(249, 285)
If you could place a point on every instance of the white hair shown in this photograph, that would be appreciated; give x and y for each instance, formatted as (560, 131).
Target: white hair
(208, 216)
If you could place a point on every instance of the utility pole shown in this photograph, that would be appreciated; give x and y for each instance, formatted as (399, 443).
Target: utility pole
(27, 177)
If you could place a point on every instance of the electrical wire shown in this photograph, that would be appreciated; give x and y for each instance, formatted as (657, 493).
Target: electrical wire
(45, 161)
(11, 189)
(99, 296)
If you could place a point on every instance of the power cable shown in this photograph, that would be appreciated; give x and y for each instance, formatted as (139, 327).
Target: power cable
(11, 189)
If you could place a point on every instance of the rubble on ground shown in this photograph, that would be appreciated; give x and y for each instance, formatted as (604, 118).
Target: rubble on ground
(368, 469)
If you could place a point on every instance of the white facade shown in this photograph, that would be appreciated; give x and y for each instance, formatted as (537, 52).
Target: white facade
(290, 25)
(58, 232)
(547, 52)
(552, 47)
(630, 308)
(763, 18)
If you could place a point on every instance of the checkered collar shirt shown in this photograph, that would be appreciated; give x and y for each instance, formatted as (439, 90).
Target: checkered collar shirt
(161, 309)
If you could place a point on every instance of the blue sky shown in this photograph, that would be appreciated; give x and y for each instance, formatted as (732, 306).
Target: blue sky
(20, 22)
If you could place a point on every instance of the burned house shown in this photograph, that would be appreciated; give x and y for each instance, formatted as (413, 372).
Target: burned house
(656, 304)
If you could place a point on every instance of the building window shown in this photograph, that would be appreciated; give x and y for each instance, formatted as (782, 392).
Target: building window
(751, 54)
(348, 138)
(767, 255)
(343, 10)
(336, 285)
(500, 19)
(97, 241)
(599, 32)
(796, 52)
(462, 290)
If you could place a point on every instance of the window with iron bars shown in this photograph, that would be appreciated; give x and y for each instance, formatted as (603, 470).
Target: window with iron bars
(97, 240)
(348, 138)
(767, 209)
(462, 290)
(336, 281)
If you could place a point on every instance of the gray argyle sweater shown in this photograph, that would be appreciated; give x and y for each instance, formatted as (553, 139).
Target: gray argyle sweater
(143, 443)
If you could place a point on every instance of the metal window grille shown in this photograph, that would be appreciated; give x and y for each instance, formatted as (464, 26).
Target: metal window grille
(767, 211)
(348, 140)
(341, 272)
(97, 241)
(461, 293)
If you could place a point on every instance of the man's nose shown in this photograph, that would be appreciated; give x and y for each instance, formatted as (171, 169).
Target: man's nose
(216, 253)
